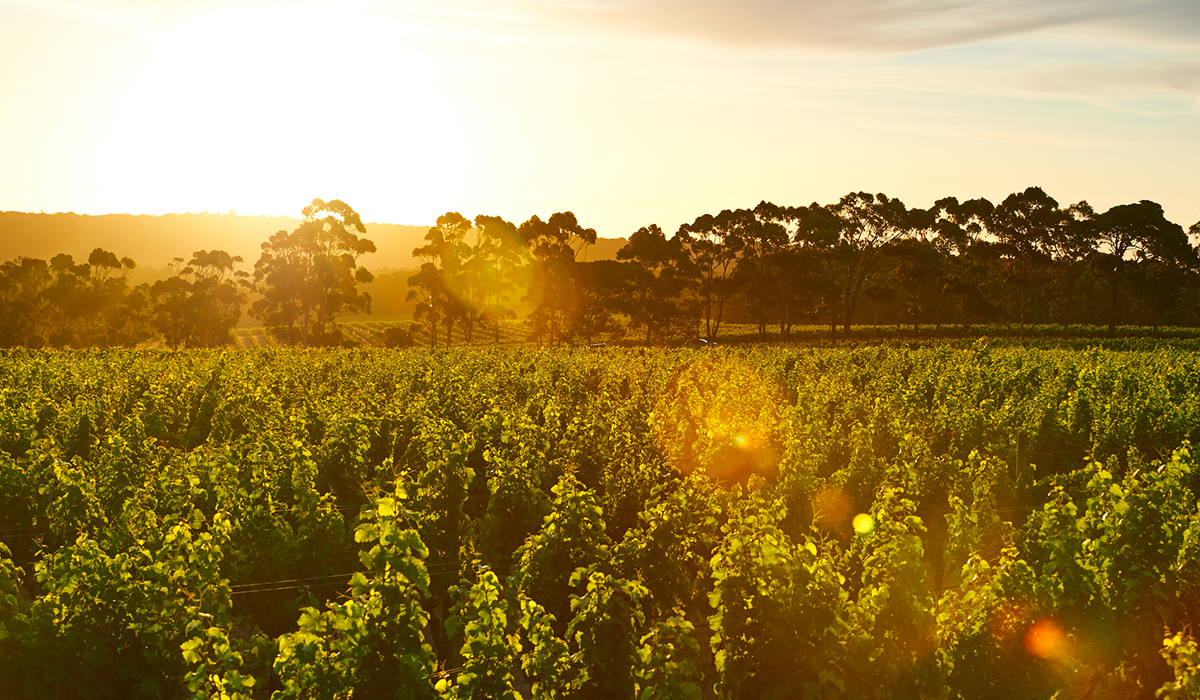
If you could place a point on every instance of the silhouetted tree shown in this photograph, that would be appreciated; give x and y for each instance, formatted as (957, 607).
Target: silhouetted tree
(1029, 226)
(499, 262)
(554, 291)
(1129, 236)
(428, 288)
(760, 267)
(23, 302)
(198, 306)
(83, 299)
(602, 285)
(851, 236)
(789, 274)
(67, 304)
(128, 320)
(917, 274)
(308, 277)
(714, 243)
(971, 261)
(441, 274)
(659, 272)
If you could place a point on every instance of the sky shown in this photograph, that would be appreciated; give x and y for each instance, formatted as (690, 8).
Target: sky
(626, 112)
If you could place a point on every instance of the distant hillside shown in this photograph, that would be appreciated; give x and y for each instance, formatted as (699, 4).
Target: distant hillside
(153, 241)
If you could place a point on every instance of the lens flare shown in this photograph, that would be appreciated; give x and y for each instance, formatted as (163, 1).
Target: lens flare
(721, 415)
(831, 507)
(1046, 640)
(864, 524)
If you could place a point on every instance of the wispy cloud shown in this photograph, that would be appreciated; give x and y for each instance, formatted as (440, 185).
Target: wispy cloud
(963, 131)
(1157, 86)
(881, 26)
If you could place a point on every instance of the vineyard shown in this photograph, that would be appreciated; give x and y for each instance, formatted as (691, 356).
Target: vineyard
(887, 521)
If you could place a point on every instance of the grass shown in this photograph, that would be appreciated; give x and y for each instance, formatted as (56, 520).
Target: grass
(369, 332)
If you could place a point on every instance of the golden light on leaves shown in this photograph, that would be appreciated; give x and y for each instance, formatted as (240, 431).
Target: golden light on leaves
(500, 278)
(722, 416)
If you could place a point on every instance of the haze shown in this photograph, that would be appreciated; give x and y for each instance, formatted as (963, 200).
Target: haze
(627, 113)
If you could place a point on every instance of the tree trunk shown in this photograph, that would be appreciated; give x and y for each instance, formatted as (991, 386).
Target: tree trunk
(1112, 308)
(1021, 302)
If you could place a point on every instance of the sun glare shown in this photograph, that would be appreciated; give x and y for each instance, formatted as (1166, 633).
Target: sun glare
(260, 108)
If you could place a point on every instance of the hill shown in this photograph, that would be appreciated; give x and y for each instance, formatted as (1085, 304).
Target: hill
(153, 241)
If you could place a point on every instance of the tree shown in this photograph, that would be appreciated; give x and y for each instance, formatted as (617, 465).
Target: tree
(554, 290)
(659, 272)
(961, 232)
(23, 302)
(1129, 236)
(199, 305)
(760, 268)
(427, 287)
(128, 320)
(851, 236)
(919, 267)
(1029, 226)
(498, 263)
(602, 285)
(85, 302)
(788, 284)
(714, 243)
(444, 254)
(308, 277)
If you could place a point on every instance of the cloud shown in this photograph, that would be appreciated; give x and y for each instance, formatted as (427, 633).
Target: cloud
(855, 26)
(1149, 83)
(964, 131)
(882, 26)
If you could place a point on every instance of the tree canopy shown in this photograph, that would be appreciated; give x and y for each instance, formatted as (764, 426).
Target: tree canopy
(308, 277)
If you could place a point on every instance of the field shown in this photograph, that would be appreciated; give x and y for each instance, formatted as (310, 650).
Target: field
(919, 520)
(365, 332)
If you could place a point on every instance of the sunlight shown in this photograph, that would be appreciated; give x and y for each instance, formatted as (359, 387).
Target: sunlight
(259, 108)
(720, 415)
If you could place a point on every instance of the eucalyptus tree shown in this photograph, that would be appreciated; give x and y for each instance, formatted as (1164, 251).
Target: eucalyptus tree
(917, 275)
(660, 271)
(803, 264)
(309, 277)
(498, 262)
(1129, 236)
(23, 303)
(714, 244)
(602, 296)
(199, 304)
(793, 276)
(962, 234)
(444, 255)
(761, 267)
(554, 290)
(851, 236)
(1029, 226)
(85, 302)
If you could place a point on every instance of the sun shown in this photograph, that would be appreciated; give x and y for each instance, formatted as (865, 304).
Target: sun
(259, 108)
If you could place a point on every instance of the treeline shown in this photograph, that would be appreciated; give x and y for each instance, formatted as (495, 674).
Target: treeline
(301, 282)
(1026, 260)
(863, 259)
